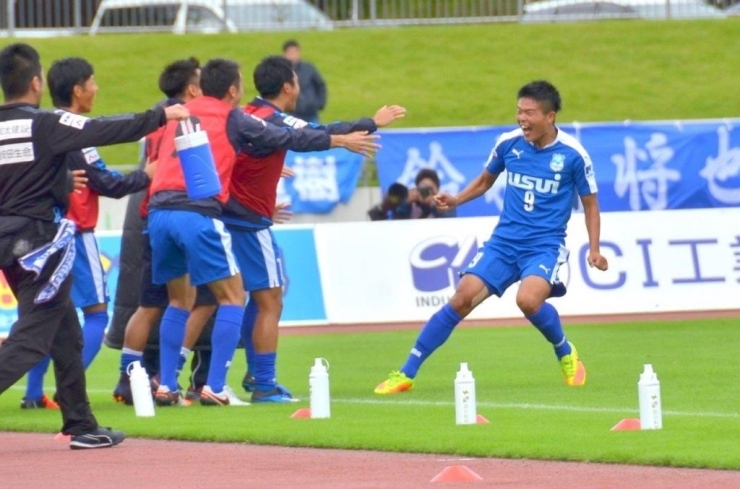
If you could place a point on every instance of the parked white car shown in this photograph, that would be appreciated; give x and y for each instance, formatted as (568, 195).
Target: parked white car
(733, 9)
(570, 10)
(207, 16)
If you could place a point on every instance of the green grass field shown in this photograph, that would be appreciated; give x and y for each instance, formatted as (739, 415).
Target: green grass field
(453, 75)
(519, 387)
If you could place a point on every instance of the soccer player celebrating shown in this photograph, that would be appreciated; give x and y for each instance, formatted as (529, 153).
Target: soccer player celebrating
(180, 83)
(253, 199)
(545, 168)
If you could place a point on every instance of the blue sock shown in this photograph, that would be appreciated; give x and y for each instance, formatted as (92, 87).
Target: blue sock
(264, 371)
(129, 356)
(250, 316)
(92, 335)
(547, 320)
(432, 336)
(35, 385)
(224, 340)
(171, 335)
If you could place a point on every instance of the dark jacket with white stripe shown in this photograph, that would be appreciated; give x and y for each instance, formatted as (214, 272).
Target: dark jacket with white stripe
(33, 143)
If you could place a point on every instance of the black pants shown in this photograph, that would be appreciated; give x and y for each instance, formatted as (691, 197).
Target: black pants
(51, 327)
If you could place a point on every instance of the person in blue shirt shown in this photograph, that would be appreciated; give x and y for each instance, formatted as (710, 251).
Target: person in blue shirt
(545, 169)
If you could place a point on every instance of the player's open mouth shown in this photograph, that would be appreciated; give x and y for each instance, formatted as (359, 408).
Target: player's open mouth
(526, 130)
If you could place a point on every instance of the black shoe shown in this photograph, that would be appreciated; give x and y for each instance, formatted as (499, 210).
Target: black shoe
(248, 382)
(122, 392)
(100, 438)
(558, 290)
(193, 393)
(43, 403)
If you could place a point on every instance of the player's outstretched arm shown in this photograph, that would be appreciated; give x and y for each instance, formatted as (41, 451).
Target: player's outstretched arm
(593, 226)
(475, 189)
(387, 114)
(359, 142)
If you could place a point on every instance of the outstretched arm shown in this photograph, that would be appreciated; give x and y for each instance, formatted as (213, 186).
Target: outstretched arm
(383, 117)
(67, 132)
(475, 189)
(593, 227)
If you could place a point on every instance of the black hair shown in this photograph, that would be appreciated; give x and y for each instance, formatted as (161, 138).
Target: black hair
(398, 190)
(290, 43)
(425, 173)
(217, 76)
(544, 93)
(64, 75)
(176, 77)
(19, 63)
(271, 74)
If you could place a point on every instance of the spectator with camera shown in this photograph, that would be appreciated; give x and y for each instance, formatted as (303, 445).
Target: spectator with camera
(416, 203)
(420, 201)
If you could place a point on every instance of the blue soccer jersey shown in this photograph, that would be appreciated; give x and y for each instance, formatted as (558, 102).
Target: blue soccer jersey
(541, 185)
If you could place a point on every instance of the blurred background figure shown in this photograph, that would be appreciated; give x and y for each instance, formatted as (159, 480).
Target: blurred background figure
(312, 97)
(386, 210)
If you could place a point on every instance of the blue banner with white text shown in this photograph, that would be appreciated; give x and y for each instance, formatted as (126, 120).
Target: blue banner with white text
(638, 165)
(322, 180)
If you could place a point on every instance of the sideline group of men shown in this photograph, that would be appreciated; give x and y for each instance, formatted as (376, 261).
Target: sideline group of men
(222, 244)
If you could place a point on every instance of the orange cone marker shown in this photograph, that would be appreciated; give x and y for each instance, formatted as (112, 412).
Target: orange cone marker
(457, 473)
(62, 437)
(302, 413)
(629, 424)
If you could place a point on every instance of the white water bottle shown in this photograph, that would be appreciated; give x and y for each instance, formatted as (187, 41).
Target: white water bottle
(648, 391)
(465, 409)
(141, 390)
(318, 382)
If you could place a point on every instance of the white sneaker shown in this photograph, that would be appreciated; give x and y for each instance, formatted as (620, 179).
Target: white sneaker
(224, 398)
(233, 399)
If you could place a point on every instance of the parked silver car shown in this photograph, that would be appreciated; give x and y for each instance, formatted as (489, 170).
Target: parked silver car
(207, 16)
(733, 9)
(570, 10)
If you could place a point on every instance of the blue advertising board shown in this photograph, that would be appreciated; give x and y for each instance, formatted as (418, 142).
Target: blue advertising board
(303, 298)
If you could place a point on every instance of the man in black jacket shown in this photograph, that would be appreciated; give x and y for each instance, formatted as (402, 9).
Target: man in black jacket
(73, 88)
(36, 244)
(312, 98)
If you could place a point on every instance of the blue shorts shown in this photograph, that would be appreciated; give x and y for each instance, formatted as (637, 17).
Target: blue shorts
(188, 242)
(89, 286)
(155, 295)
(500, 264)
(258, 257)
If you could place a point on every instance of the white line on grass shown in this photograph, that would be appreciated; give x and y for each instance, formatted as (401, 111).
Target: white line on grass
(537, 407)
(494, 405)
